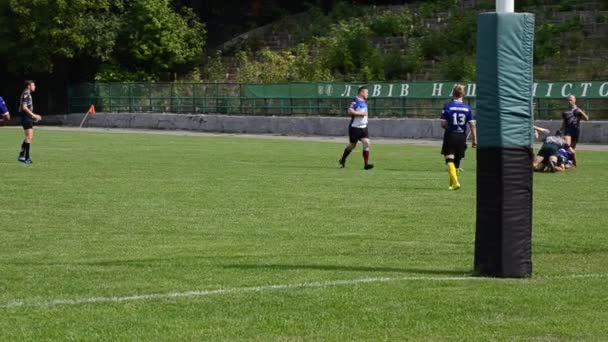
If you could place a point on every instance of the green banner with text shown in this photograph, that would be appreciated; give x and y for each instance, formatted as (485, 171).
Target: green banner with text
(417, 90)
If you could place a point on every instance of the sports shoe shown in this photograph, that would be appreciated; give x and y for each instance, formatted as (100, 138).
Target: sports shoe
(342, 163)
(455, 187)
(28, 161)
(21, 159)
(368, 166)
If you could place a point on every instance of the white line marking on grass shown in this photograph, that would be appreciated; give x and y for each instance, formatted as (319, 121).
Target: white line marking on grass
(239, 290)
(225, 291)
(580, 276)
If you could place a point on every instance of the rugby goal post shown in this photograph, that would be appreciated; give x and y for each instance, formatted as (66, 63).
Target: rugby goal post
(503, 235)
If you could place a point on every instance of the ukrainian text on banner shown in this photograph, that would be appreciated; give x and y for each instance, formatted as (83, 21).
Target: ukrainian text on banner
(417, 90)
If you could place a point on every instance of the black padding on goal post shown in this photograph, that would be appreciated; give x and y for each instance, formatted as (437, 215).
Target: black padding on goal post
(503, 240)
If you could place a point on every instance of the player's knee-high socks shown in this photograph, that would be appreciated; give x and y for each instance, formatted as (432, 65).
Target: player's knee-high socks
(25, 149)
(347, 151)
(453, 174)
(366, 155)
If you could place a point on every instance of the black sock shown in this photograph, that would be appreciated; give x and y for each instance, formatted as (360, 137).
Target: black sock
(345, 154)
(22, 153)
(457, 163)
(27, 150)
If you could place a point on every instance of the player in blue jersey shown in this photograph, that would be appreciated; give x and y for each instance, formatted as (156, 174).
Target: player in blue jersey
(565, 158)
(28, 119)
(357, 128)
(5, 116)
(455, 117)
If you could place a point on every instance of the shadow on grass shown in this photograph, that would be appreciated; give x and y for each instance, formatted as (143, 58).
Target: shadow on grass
(351, 269)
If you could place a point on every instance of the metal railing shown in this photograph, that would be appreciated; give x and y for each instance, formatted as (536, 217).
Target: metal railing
(242, 99)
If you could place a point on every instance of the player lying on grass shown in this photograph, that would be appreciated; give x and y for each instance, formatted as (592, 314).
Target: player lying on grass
(548, 156)
(565, 158)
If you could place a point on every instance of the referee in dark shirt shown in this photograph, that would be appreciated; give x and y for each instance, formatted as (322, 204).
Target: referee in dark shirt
(571, 125)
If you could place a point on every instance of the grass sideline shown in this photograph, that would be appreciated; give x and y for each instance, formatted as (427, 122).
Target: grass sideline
(107, 215)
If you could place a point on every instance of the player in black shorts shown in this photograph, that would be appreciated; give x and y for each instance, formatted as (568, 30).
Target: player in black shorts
(454, 119)
(571, 125)
(357, 129)
(28, 119)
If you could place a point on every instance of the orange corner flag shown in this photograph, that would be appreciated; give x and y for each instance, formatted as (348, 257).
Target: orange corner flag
(92, 110)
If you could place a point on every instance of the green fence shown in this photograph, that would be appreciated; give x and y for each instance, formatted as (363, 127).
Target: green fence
(414, 99)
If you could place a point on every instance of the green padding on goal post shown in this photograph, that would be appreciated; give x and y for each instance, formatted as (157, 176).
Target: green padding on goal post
(505, 45)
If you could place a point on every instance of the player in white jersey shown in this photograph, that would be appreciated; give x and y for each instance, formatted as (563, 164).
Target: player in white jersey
(357, 128)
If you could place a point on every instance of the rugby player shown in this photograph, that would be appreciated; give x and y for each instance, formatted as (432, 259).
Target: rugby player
(455, 117)
(548, 155)
(28, 119)
(357, 129)
(571, 125)
(5, 116)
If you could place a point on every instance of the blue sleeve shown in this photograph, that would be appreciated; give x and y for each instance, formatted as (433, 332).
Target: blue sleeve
(354, 105)
(444, 113)
(3, 108)
(470, 115)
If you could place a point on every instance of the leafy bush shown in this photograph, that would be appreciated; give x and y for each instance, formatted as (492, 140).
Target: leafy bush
(307, 68)
(433, 44)
(215, 70)
(398, 65)
(116, 73)
(278, 67)
(547, 43)
(459, 67)
(348, 50)
(344, 10)
(391, 23)
(569, 5)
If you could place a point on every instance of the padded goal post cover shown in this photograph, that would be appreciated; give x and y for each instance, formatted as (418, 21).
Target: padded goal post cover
(503, 239)
(505, 45)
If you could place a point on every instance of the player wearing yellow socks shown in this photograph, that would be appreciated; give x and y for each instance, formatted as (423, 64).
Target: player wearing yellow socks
(455, 117)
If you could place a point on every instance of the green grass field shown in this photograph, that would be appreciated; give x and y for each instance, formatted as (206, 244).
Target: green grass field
(102, 218)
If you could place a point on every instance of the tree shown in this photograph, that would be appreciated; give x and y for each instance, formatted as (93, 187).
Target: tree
(157, 39)
(55, 36)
